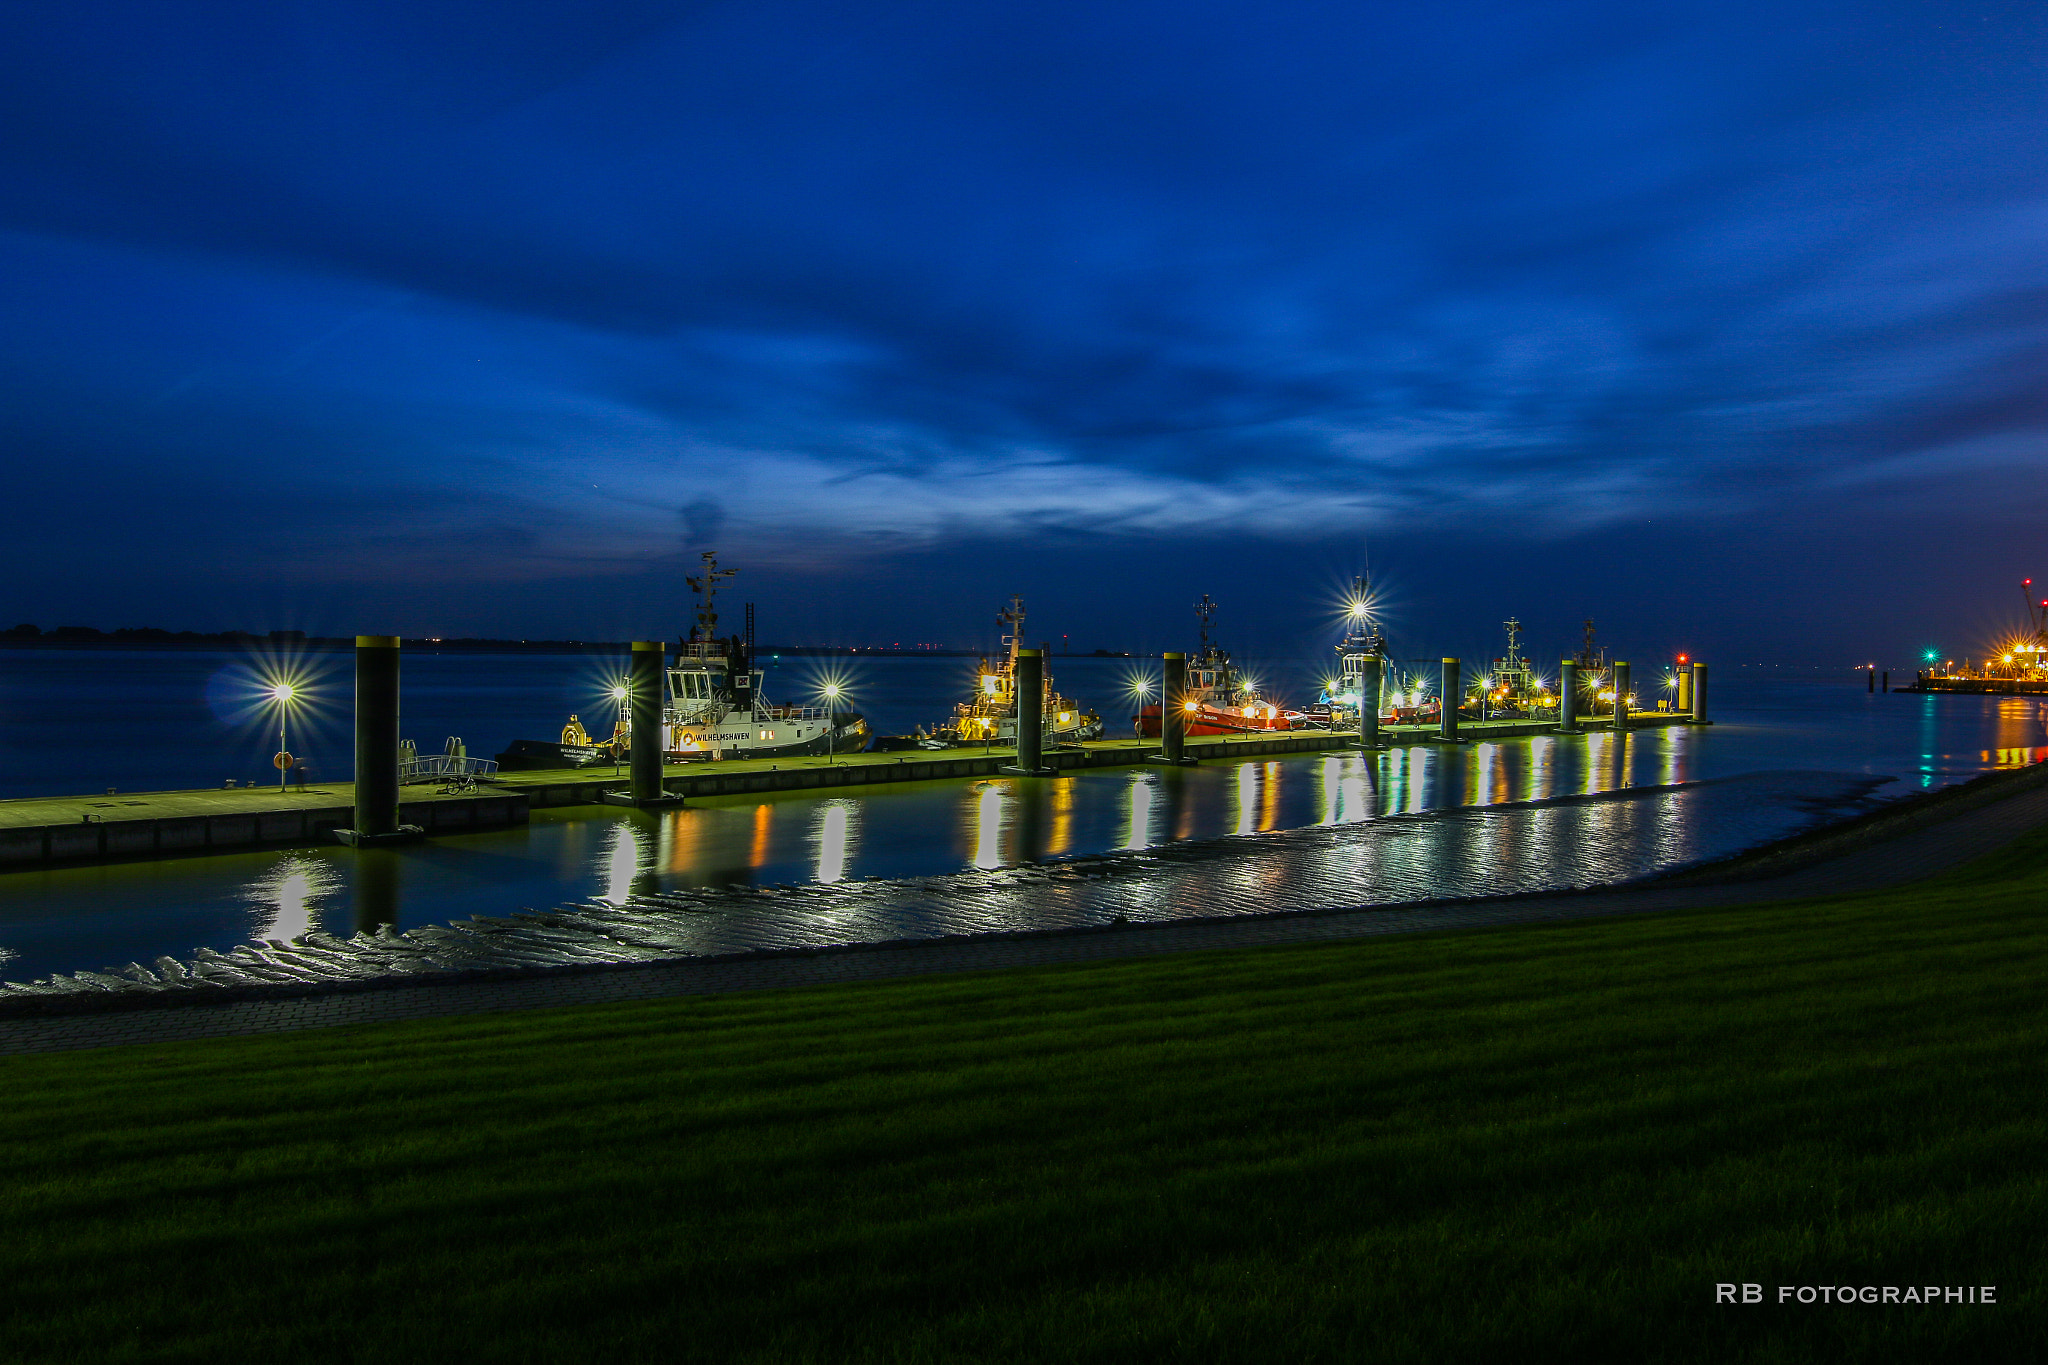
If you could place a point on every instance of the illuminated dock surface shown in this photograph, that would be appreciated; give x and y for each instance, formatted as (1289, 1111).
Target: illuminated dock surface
(43, 830)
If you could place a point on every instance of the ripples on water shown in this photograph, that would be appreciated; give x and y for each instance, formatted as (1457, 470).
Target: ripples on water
(1294, 832)
(1413, 823)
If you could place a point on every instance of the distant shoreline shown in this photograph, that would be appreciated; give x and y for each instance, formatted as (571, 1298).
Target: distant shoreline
(345, 644)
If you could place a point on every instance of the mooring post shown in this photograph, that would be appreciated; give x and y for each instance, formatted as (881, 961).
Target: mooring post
(1870, 681)
(1568, 697)
(1369, 702)
(376, 737)
(1029, 681)
(1621, 684)
(1699, 694)
(1684, 701)
(1173, 716)
(1887, 681)
(643, 693)
(1448, 698)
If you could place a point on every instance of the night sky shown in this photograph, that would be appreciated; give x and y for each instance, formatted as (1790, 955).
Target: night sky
(1725, 324)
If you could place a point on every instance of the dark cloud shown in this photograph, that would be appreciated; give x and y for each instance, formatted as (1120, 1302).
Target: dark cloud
(502, 293)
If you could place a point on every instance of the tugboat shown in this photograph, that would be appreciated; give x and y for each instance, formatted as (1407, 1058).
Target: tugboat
(576, 750)
(990, 716)
(1402, 701)
(1513, 690)
(1225, 702)
(713, 707)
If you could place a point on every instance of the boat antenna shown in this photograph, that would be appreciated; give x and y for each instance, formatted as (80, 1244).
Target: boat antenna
(1012, 617)
(1205, 612)
(1589, 658)
(705, 585)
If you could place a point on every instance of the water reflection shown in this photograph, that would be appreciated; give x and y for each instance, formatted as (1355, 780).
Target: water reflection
(1062, 796)
(1141, 795)
(64, 918)
(835, 831)
(288, 898)
(621, 862)
(988, 827)
(378, 873)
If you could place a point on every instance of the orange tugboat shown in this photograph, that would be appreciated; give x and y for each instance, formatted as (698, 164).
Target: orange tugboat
(1223, 701)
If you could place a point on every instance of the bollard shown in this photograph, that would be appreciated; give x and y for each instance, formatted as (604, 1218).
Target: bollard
(1621, 685)
(1568, 698)
(1173, 716)
(1449, 696)
(1870, 681)
(1684, 702)
(1699, 694)
(376, 739)
(643, 692)
(1029, 682)
(1369, 702)
(1887, 681)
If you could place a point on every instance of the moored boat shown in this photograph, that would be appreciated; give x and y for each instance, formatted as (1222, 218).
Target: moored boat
(1219, 699)
(713, 706)
(989, 716)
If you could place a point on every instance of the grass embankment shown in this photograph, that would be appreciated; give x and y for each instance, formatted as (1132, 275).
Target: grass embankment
(1542, 1143)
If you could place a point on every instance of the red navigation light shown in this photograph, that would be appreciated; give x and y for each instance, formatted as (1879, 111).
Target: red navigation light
(1681, 658)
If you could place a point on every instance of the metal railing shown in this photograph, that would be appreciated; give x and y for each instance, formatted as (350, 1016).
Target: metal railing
(443, 767)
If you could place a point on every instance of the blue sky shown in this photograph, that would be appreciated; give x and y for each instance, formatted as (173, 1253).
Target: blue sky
(1722, 324)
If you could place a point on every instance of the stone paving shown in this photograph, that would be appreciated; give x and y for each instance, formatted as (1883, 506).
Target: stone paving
(1913, 855)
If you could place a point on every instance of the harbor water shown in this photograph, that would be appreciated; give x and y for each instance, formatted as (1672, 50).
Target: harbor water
(1414, 823)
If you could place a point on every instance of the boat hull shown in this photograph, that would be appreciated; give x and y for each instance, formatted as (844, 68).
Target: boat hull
(538, 755)
(1211, 721)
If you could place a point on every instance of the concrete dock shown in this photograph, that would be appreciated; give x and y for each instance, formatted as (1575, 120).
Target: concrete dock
(41, 831)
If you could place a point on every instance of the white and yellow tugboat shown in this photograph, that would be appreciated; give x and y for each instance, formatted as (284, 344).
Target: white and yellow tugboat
(1512, 690)
(713, 705)
(990, 716)
(1403, 699)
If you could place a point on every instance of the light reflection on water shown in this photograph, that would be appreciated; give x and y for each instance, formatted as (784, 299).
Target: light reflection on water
(835, 831)
(621, 863)
(289, 895)
(68, 918)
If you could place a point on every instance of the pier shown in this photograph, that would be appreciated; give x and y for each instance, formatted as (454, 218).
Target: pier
(40, 831)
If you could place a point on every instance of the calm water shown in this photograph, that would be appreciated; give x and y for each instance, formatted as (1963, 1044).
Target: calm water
(1784, 753)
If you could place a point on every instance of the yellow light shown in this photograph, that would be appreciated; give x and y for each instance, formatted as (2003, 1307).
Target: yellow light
(283, 692)
(618, 694)
(1358, 608)
(1187, 705)
(1066, 717)
(988, 684)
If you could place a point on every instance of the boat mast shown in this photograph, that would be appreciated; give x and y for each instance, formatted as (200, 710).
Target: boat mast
(705, 585)
(1011, 618)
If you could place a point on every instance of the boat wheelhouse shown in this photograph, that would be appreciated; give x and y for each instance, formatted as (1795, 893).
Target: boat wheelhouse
(989, 716)
(1219, 699)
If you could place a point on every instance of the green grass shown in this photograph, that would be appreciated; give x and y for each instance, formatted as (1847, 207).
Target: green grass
(1533, 1144)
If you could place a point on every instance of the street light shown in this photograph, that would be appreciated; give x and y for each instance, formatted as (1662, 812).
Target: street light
(619, 692)
(283, 694)
(831, 690)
